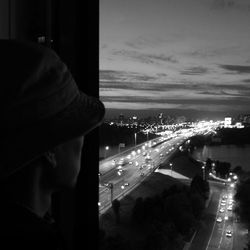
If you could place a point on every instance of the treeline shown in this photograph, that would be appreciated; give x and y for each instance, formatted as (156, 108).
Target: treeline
(165, 220)
(234, 136)
(227, 136)
(221, 168)
(113, 135)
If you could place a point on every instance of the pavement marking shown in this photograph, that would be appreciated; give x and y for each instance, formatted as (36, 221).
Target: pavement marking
(213, 226)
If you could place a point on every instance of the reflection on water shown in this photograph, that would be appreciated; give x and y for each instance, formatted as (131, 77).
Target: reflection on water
(236, 155)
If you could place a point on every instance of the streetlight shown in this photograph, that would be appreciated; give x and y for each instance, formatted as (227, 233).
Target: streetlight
(135, 139)
(111, 186)
(170, 164)
(203, 170)
(106, 149)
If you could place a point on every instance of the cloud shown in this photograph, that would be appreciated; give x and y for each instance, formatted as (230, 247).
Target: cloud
(246, 80)
(150, 86)
(126, 80)
(224, 93)
(161, 74)
(201, 101)
(195, 71)
(121, 76)
(146, 58)
(230, 4)
(237, 69)
(104, 46)
(210, 52)
(146, 42)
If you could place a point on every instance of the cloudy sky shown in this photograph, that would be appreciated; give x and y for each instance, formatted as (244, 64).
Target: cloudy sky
(182, 55)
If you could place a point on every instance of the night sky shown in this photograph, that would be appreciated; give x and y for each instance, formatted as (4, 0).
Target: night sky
(177, 56)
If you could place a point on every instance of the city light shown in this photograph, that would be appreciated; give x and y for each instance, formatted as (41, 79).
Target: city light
(105, 151)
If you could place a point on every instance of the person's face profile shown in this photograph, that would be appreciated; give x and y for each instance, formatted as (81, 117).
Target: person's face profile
(68, 158)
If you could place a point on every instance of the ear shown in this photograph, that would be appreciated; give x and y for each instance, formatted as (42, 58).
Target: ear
(51, 158)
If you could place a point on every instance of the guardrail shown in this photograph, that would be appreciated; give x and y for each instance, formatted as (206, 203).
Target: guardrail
(125, 151)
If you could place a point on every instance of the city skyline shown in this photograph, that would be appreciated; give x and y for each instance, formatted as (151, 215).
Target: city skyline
(179, 57)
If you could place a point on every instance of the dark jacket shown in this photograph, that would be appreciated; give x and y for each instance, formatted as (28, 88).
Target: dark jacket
(22, 229)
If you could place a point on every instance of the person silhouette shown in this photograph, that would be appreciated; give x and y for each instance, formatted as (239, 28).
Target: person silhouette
(44, 118)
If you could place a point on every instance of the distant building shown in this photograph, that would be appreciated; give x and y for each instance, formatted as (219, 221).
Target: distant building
(228, 122)
(181, 119)
(121, 119)
(239, 125)
(245, 119)
(160, 118)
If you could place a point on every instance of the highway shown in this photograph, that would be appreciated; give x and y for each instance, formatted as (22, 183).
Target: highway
(132, 174)
(114, 184)
(218, 218)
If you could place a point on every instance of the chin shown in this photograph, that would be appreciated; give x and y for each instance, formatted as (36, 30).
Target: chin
(67, 185)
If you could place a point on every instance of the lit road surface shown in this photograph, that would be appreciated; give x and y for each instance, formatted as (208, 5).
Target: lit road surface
(131, 173)
(213, 234)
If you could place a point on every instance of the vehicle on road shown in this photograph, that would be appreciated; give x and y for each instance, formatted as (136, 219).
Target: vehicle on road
(119, 172)
(142, 174)
(222, 210)
(130, 163)
(219, 219)
(229, 233)
(121, 162)
(126, 184)
(230, 208)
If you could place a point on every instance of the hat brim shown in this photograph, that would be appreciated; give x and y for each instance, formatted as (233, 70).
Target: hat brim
(27, 143)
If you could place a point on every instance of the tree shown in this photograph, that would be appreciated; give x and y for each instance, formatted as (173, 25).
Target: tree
(138, 213)
(116, 209)
(237, 169)
(200, 186)
(243, 197)
(209, 164)
(198, 204)
(223, 169)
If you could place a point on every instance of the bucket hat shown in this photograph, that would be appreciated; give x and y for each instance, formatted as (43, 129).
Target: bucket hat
(40, 104)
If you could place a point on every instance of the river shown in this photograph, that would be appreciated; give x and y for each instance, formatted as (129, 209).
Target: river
(236, 155)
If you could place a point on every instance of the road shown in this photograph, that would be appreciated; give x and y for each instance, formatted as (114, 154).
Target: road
(212, 233)
(132, 173)
(114, 184)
